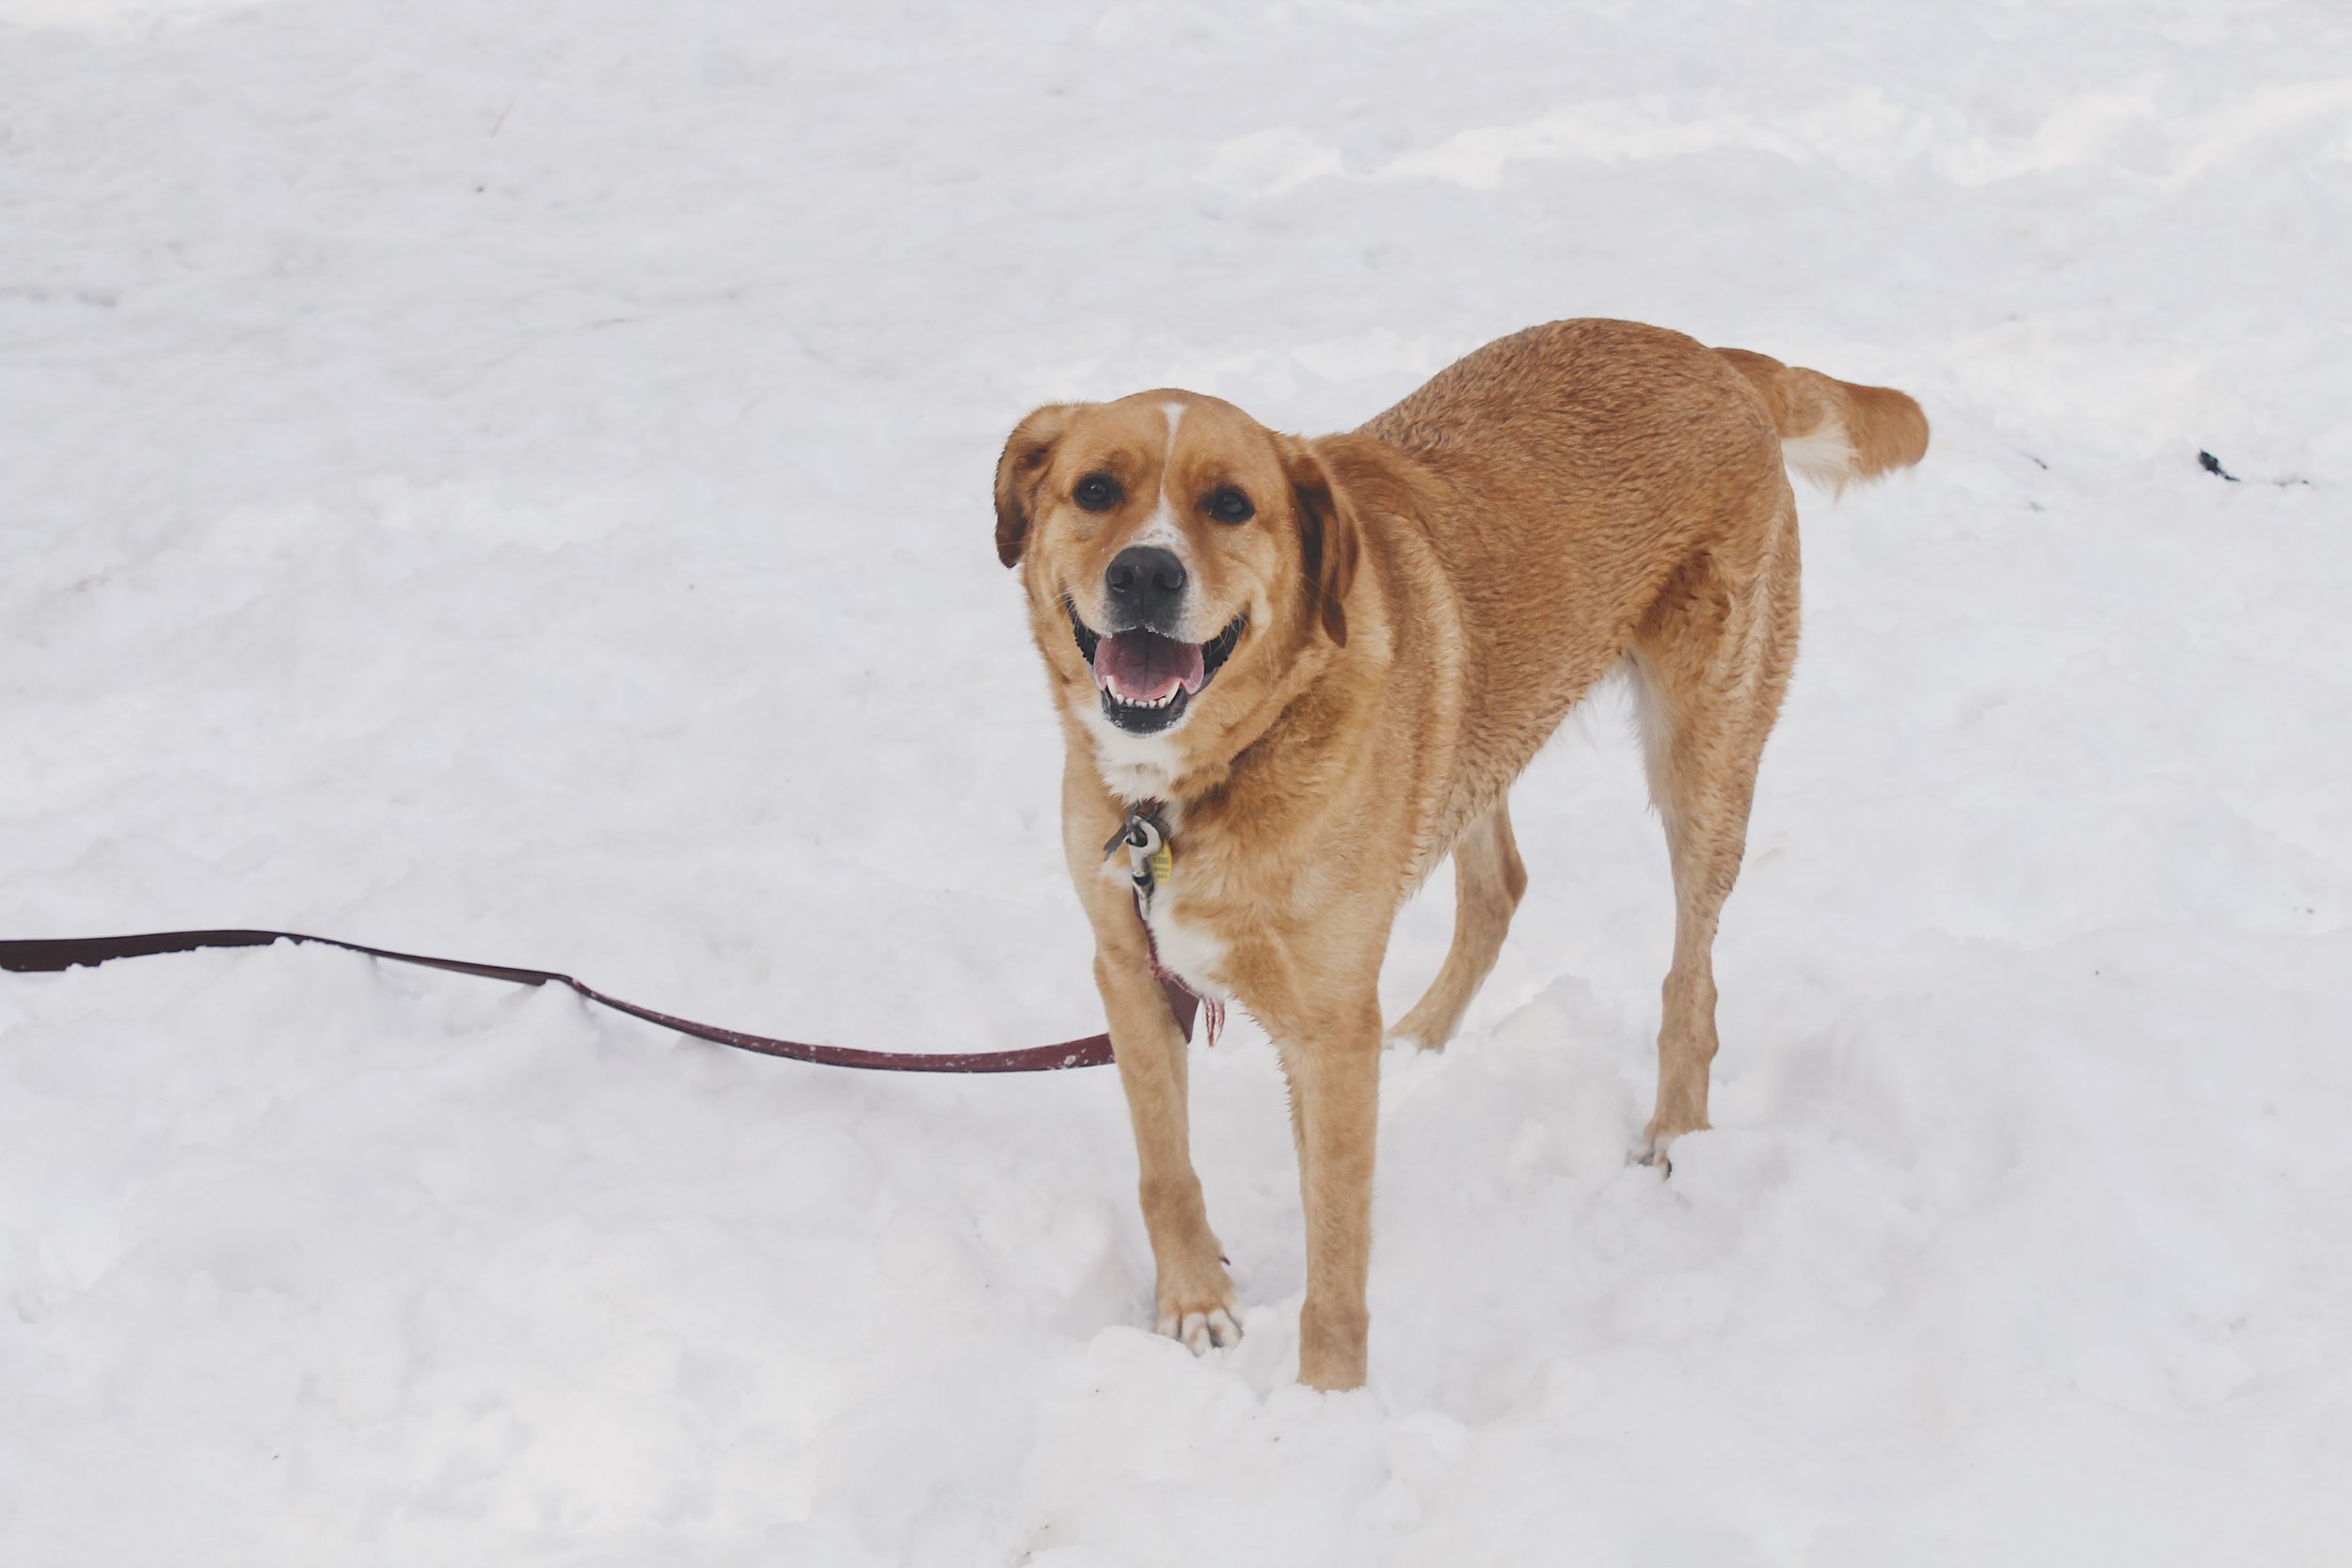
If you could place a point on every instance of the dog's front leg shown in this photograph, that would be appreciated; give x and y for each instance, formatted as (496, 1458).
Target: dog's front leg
(1194, 1299)
(1334, 1069)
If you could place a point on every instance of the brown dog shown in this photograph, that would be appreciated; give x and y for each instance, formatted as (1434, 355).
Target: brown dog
(1317, 665)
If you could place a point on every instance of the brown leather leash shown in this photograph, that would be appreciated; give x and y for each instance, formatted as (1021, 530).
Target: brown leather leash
(52, 954)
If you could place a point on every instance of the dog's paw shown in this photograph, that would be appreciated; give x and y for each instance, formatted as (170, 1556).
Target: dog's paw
(1657, 1140)
(1196, 1307)
(1403, 1039)
(1201, 1331)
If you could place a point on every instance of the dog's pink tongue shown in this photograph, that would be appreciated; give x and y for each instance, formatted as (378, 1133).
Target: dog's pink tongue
(1144, 667)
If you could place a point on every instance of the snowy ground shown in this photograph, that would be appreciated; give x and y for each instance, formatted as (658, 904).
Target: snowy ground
(510, 480)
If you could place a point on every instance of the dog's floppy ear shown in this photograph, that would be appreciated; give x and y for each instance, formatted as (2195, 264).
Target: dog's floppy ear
(1328, 538)
(1020, 471)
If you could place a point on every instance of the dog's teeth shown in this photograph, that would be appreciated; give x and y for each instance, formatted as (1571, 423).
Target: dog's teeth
(1124, 701)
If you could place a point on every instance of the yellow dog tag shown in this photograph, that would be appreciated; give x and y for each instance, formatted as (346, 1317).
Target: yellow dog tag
(1163, 863)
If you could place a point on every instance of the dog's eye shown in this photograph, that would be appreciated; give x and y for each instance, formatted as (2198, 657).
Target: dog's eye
(1096, 493)
(1230, 505)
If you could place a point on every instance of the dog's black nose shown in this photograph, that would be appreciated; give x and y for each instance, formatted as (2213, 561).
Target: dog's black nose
(1144, 584)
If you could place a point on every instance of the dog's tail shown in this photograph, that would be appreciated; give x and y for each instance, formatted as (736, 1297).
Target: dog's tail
(1833, 431)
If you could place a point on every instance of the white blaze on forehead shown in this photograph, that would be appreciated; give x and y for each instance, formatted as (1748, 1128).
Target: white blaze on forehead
(1160, 527)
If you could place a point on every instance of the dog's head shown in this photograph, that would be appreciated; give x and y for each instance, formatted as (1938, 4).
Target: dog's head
(1179, 560)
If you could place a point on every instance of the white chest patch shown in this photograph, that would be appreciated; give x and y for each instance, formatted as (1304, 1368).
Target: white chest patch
(1134, 766)
(1184, 949)
(1187, 951)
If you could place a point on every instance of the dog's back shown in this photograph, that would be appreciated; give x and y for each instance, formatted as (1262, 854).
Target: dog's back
(1581, 479)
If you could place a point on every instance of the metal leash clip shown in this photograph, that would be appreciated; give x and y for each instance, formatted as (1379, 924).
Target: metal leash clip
(1150, 861)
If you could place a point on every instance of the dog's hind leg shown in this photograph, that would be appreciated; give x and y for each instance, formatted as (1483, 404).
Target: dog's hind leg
(1489, 881)
(1709, 663)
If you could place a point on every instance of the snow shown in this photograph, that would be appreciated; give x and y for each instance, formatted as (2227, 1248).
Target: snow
(509, 481)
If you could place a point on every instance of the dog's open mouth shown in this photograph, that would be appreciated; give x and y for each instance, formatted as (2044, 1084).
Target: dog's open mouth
(1146, 679)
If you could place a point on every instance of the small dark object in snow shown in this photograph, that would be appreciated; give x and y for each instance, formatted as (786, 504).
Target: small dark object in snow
(2212, 464)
